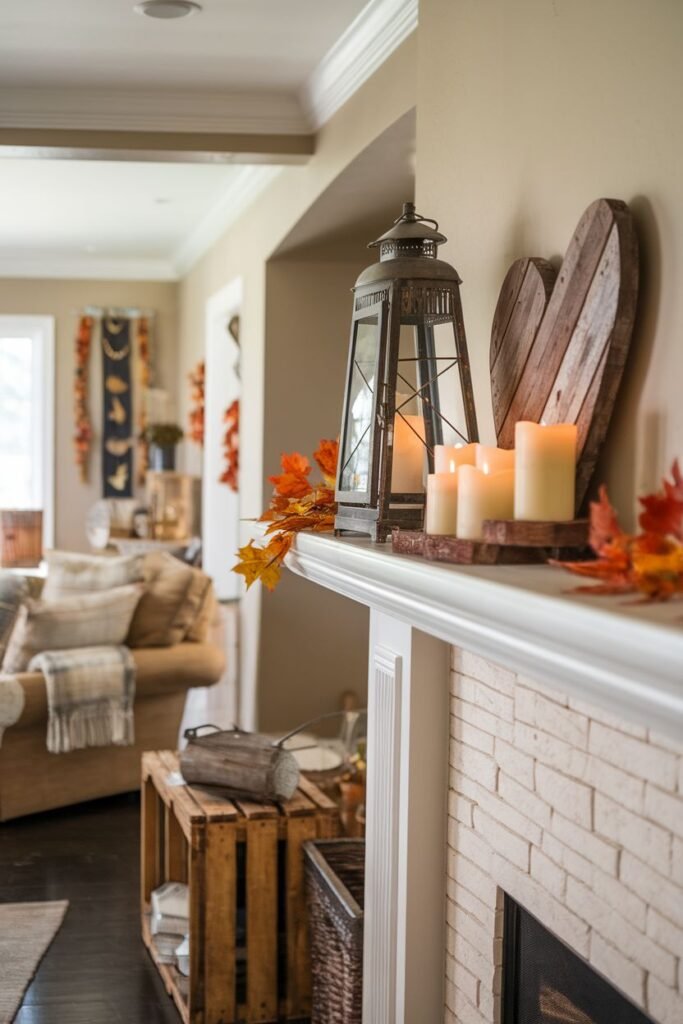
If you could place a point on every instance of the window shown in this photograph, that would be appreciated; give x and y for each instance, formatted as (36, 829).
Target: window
(27, 416)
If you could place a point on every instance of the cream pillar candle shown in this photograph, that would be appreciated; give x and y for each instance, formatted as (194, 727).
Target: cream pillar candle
(493, 460)
(407, 469)
(460, 454)
(442, 501)
(483, 495)
(545, 471)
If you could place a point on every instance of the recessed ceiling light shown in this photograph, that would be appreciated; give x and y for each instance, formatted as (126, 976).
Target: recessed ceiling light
(167, 9)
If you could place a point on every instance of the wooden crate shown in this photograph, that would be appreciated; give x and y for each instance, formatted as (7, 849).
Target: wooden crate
(249, 956)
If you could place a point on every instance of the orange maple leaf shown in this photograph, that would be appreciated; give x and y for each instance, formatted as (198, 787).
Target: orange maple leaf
(663, 512)
(326, 456)
(604, 524)
(263, 564)
(293, 482)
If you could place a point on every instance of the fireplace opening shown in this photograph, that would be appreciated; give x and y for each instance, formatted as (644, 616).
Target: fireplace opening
(544, 982)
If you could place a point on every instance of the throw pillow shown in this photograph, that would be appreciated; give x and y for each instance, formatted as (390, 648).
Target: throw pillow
(84, 620)
(13, 590)
(174, 595)
(72, 573)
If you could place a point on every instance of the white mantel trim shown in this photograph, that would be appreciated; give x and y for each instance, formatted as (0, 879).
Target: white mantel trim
(617, 657)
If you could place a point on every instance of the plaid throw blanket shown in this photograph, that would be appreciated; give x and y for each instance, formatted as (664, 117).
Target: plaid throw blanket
(90, 694)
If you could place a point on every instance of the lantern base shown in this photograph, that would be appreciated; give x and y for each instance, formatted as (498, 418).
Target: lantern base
(368, 522)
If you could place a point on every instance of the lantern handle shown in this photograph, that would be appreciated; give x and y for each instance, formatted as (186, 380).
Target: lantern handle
(410, 216)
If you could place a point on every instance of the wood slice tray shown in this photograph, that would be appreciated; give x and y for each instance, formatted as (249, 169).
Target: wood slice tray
(506, 542)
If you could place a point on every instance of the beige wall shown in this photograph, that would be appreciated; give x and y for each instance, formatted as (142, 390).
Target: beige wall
(244, 252)
(528, 111)
(63, 300)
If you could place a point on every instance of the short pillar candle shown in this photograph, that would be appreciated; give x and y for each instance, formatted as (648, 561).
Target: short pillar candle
(482, 495)
(545, 472)
(407, 469)
(442, 502)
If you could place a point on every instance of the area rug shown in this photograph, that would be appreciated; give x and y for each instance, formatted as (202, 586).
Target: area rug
(26, 931)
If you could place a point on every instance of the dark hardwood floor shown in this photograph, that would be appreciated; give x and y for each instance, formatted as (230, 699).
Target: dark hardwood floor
(97, 970)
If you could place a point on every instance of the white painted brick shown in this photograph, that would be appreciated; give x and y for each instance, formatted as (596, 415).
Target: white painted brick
(677, 861)
(487, 1003)
(599, 851)
(663, 1004)
(623, 973)
(663, 895)
(617, 895)
(537, 710)
(665, 742)
(511, 846)
(463, 979)
(526, 803)
(550, 750)
(548, 691)
(466, 925)
(608, 718)
(647, 841)
(612, 927)
(469, 664)
(664, 808)
(664, 932)
(460, 808)
(624, 788)
(463, 898)
(469, 957)
(471, 877)
(465, 1012)
(470, 735)
(482, 719)
(571, 861)
(634, 755)
(680, 776)
(510, 815)
(449, 1016)
(545, 871)
(474, 847)
(477, 766)
(517, 765)
(553, 914)
(571, 798)
(485, 697)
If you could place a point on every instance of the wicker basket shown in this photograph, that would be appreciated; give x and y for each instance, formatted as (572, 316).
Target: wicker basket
(335, 872)
(21, 538)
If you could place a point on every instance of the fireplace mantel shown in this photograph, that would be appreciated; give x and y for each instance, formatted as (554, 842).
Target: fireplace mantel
(623, 656)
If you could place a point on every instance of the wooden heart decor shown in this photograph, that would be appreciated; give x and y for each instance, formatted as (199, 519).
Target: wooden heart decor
(559, 342)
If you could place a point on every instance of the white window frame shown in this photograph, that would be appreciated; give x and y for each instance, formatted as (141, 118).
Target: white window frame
(41, 331)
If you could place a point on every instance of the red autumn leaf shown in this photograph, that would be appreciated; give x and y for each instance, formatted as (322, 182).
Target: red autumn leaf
(663, 512)
(326, 456)
(604, 525)
(293, 482)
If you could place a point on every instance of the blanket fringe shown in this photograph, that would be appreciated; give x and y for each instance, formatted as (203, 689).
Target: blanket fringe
(98, 725)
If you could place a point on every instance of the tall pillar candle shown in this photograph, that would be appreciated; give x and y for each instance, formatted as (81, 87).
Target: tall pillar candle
(442, 502)
(545, 472)
(493, 460)
(481, 496)
(458, 454)
(407, 468)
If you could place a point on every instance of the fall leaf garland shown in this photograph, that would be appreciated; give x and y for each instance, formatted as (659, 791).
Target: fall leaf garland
(231, 446)
(197, 395)
(83, 427)
(648, 563)
(296, 505)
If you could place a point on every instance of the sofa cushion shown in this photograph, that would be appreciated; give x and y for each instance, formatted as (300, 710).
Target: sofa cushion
(84, 620)
(70, 573)
(13, 591)
(173, 598)
(159, 672)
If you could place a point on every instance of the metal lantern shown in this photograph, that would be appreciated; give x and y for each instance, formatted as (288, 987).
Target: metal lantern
(408, 384)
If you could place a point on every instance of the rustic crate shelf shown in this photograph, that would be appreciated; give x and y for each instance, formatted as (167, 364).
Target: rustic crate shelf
(242, 860)
(506, 542)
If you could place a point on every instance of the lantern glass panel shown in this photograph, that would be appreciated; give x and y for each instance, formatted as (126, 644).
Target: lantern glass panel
(357, 449)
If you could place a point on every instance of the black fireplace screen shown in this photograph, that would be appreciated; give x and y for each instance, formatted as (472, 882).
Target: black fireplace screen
(544, 982)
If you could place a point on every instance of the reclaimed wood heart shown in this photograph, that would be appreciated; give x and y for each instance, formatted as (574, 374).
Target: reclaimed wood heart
(559, 342)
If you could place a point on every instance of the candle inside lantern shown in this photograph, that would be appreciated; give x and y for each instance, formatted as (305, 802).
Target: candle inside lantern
(495, 459)
(442, 501)
(483, 495)
(407, 469)
(545, 471)
(459, 454)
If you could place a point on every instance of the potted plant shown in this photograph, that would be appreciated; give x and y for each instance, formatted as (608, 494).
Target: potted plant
(162, 439)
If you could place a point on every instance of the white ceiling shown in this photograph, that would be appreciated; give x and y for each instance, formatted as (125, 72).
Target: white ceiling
(250, 66)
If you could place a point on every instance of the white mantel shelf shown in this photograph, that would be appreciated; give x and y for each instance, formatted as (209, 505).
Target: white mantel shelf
(627, 658)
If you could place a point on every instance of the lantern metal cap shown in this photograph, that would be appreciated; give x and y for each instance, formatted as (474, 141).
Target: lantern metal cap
(410, 236)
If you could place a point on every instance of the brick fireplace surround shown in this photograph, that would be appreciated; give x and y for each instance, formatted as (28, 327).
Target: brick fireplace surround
(523, 742)
(576, 814)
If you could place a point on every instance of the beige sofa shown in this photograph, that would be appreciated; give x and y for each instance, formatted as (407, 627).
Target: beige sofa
(31, 779)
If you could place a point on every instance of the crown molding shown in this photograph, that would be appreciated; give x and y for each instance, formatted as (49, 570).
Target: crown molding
(86, 268)
(152, 111)
(242, 191)
(369, 40)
